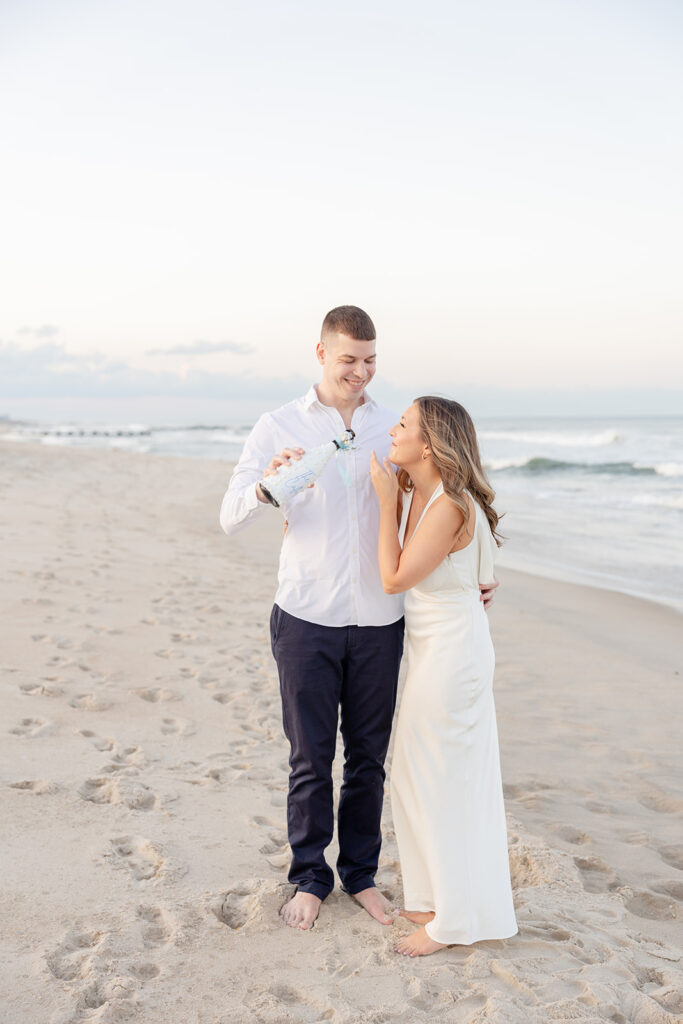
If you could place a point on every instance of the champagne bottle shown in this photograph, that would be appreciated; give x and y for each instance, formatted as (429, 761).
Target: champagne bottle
(297, 475)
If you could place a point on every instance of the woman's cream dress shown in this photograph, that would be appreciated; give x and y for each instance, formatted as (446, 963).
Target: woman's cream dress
(446, 789)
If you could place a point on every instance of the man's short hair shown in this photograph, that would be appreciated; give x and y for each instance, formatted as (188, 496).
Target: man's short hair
(349, 320)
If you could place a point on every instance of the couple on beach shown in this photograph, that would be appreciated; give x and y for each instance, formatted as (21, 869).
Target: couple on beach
(360, 548)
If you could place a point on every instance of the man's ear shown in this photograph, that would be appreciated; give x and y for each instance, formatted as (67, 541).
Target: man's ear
(320, 352)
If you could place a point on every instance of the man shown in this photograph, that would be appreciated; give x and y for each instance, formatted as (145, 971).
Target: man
(336, 636)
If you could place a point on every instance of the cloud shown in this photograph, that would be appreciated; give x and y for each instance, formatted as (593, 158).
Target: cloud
(46, 331)
(48, 370)
(200, 348)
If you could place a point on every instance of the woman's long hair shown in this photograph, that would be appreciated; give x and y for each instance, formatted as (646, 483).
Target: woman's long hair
(449, 431)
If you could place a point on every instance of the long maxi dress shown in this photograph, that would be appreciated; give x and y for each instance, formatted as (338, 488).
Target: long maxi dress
(446, 788)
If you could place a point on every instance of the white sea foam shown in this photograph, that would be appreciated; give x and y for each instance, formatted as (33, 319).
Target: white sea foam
(669, 469)
(570, 439)
(499, 464)
(659, 500)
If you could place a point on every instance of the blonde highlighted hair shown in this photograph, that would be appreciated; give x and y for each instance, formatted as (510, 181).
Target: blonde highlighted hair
(448, 430)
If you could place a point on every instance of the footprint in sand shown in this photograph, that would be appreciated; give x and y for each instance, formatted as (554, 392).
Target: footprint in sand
(114, 994)
(207, 682)
(128, 761)
(596, 807)
(548, 932)
(158, 929)
(671, 888)
(71, 959)
(531, 866)
(527, 795)
(156, 694)
(31, 728)
(275, 847)
(118, 791)
(596, 876)
(177, 727)
(635, 838)
(39, 690)
(138, 855)
(239, 906)
(182, 638)
(165, 653)
(571, 835)
(662, 986)
(37, 786)
(252, 902)
(646, 904)
(89, 702)
(276, 851)
(145, 971)
(99, 742)
(657, 800)
(672, 855)
(200, 775)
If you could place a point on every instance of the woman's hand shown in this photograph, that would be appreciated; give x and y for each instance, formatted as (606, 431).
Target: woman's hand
(384, 481)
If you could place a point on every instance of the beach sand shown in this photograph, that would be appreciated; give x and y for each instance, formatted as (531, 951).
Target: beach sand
(144, 781)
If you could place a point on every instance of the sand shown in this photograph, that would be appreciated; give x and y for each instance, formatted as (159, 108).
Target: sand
(144, 779)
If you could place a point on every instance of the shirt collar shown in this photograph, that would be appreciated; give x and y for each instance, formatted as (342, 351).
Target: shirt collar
(311, 399)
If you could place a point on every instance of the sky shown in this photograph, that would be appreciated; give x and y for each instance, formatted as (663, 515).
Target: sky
(188, 187)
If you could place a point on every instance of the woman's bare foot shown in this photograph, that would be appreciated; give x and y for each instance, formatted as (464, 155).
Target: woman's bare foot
(418, 944)
(301, 911)
(417, 916)
(375, 903)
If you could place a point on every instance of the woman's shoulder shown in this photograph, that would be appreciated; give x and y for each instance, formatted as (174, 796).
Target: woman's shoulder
(444, 510)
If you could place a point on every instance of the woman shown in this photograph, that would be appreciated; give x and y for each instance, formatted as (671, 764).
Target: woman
(437, 542)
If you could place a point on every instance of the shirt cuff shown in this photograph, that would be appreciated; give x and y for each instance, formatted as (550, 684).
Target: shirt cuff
(251, 499)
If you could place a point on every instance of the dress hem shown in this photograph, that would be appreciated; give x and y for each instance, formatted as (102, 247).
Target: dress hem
(470, 942)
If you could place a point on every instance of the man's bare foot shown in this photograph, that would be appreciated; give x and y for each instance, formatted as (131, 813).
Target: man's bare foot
(375, 903)
(418, 944)
(417, 916)
(301, 911)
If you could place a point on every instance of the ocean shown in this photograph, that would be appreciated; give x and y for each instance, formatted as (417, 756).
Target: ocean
(593, 501)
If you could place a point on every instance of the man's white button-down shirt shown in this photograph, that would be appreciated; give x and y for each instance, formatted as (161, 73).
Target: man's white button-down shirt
(329, 572)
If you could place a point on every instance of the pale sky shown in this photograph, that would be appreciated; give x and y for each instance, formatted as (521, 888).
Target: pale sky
(187, 187)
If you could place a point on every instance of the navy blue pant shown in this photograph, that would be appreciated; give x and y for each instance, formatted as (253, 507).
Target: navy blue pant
(321, 669)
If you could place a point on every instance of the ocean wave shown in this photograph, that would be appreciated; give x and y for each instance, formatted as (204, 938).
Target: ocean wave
(570, 439)
(541, 464)
(214, 434)
(68, 430)
(669, 469)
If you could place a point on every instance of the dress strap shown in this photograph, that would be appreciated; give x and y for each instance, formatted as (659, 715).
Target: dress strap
(437, 493)
(405, 510)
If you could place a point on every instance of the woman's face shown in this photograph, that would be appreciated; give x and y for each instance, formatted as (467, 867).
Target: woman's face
(408, 444)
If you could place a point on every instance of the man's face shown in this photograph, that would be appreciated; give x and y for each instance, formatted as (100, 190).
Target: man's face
(348, 365)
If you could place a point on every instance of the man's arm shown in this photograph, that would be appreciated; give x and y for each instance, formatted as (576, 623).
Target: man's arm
(244, 498)
(241, 502)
